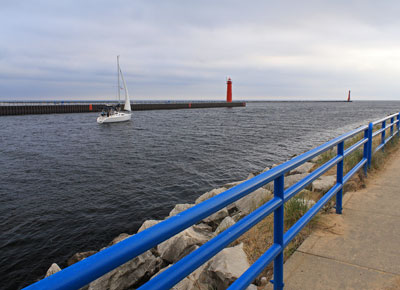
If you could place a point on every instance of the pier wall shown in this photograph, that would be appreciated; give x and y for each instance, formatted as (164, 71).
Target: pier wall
(86, 108)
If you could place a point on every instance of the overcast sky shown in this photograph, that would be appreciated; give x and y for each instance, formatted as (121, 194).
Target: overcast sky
(186, 49)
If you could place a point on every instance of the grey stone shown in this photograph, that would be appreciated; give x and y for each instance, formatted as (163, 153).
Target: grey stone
(324, 183)
(226, 267)
(293, 179)
(192, 282)
(218, 273)
(252, 287)
(237, 216)
(147, 224)
(289, 181)
(265, 169)
(232, 184)
(263, 281)
(251, 175)
(304, 168)
(120, 238)
(226, 223)
(182, 244)
(217, 217)
(129, 274)
(210, 194)
(180, 207)
(79, 257)
(253, 200)
(54, 268)
(202, 228)
(315, 159)
(231, 208)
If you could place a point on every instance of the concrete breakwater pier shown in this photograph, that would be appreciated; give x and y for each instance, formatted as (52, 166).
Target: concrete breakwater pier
(30, 108)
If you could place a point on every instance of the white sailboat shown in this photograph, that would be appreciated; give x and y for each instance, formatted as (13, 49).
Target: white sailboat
(113, 114)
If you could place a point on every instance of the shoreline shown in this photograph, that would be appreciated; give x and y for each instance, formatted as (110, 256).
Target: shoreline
(173, 249)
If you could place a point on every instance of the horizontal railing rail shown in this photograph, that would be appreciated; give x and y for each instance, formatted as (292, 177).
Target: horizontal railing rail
(93, 267)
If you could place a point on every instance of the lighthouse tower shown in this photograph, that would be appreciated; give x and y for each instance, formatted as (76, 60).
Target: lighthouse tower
(229, 91)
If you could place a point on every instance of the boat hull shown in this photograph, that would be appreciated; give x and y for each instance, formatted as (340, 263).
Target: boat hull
(116, 118)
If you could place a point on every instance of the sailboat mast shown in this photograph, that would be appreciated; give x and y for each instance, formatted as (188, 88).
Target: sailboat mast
(118, 87)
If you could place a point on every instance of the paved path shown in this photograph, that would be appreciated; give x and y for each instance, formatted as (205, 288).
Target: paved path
(361, 248)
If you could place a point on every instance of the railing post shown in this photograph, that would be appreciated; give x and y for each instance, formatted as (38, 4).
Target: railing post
(383, 135)
(398, 125)
(370, 129)
(278, 232)
(391, 128)
(365, 152)
(339, 178)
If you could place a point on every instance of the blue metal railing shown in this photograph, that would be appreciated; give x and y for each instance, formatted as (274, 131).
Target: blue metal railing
(93, 267)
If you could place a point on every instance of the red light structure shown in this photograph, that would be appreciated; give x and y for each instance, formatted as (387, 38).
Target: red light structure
(229, 91)
(348, 98)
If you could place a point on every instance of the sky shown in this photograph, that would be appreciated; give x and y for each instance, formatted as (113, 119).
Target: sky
(185, 50)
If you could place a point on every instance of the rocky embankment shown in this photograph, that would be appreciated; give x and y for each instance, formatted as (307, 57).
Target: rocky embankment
(222, 269)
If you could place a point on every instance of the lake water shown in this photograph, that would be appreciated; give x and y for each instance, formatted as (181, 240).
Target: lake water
(69, 185)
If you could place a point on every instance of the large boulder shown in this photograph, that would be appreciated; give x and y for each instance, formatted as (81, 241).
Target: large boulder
(192, 282)
(237, 216)
(119, 238)
(180, 207)
(203, 228)
(225, 267)
(79, 257)
(147, 224)
(315, 159)
(304, 168)
(252, 201)
(209, 194)
(232, 184)
(226, 223)
(253, 174)
(265, 169)
(293, 179)
(215, 218)
(129, 274)
(289, 181)
(182, 244)
(218, 273)
(324, 183)
(54, 268)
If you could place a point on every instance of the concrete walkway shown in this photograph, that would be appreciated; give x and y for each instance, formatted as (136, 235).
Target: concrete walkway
(359, 249)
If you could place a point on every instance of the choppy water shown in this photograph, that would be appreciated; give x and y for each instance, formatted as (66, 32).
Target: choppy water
(68, 184)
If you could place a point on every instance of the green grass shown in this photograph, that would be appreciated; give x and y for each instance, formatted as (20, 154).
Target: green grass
(295, 208)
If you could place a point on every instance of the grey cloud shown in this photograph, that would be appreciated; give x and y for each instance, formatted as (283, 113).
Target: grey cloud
(185, 49)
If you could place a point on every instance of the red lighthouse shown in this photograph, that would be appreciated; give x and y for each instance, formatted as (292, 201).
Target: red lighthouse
(229, 91)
